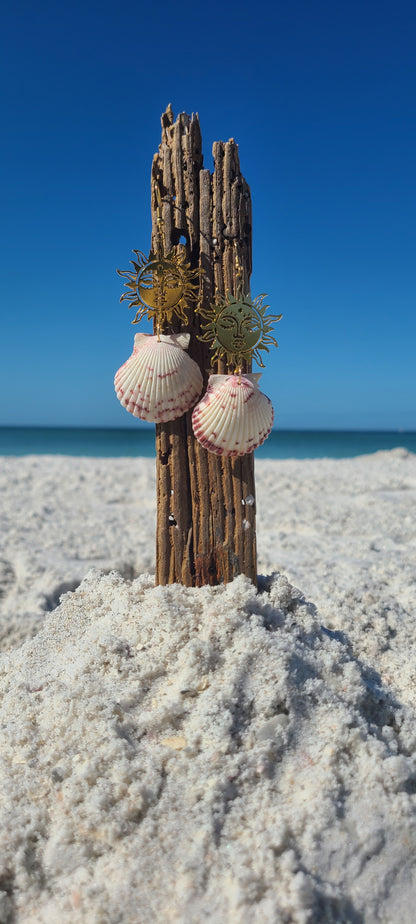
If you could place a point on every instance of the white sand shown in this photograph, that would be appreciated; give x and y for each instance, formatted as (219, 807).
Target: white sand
(208, 755)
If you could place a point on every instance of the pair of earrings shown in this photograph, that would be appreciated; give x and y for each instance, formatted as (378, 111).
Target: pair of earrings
(160, 382)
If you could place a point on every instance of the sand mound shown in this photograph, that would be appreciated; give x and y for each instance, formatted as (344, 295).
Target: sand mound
(171, 754)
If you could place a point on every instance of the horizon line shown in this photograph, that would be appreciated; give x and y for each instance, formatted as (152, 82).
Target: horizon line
(144, 427)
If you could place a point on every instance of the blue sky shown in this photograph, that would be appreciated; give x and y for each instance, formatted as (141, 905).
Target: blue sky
(320, 97)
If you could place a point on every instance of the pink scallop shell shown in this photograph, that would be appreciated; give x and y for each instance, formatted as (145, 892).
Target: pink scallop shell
(159, 381)
(234, 417)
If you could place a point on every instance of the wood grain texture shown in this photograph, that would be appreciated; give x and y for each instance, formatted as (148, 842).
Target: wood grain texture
(206, 534)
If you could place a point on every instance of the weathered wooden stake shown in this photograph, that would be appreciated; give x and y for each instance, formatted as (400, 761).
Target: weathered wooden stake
(206, 532)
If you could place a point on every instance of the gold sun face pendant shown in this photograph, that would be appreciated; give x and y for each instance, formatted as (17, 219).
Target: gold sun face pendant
(160, 286)
(160, 283)
(238, 329)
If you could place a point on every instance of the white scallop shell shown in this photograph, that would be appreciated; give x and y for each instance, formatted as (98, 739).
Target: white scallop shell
(234, 416)
(159, 381)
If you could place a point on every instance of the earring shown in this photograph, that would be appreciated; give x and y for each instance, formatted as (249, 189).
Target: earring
(234, 417)
(159, 381)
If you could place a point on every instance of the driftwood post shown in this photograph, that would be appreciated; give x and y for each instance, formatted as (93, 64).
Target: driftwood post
(206, 529)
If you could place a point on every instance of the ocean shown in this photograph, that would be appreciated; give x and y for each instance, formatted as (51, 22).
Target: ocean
(281, 444)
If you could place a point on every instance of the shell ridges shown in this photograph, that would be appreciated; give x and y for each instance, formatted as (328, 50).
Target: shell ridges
(159, 382)
(234, 417)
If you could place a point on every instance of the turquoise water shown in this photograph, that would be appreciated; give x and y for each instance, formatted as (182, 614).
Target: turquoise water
(281, 444)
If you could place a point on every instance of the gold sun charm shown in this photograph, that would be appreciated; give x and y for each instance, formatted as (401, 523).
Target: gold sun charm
(237, 328)
(161, 286)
